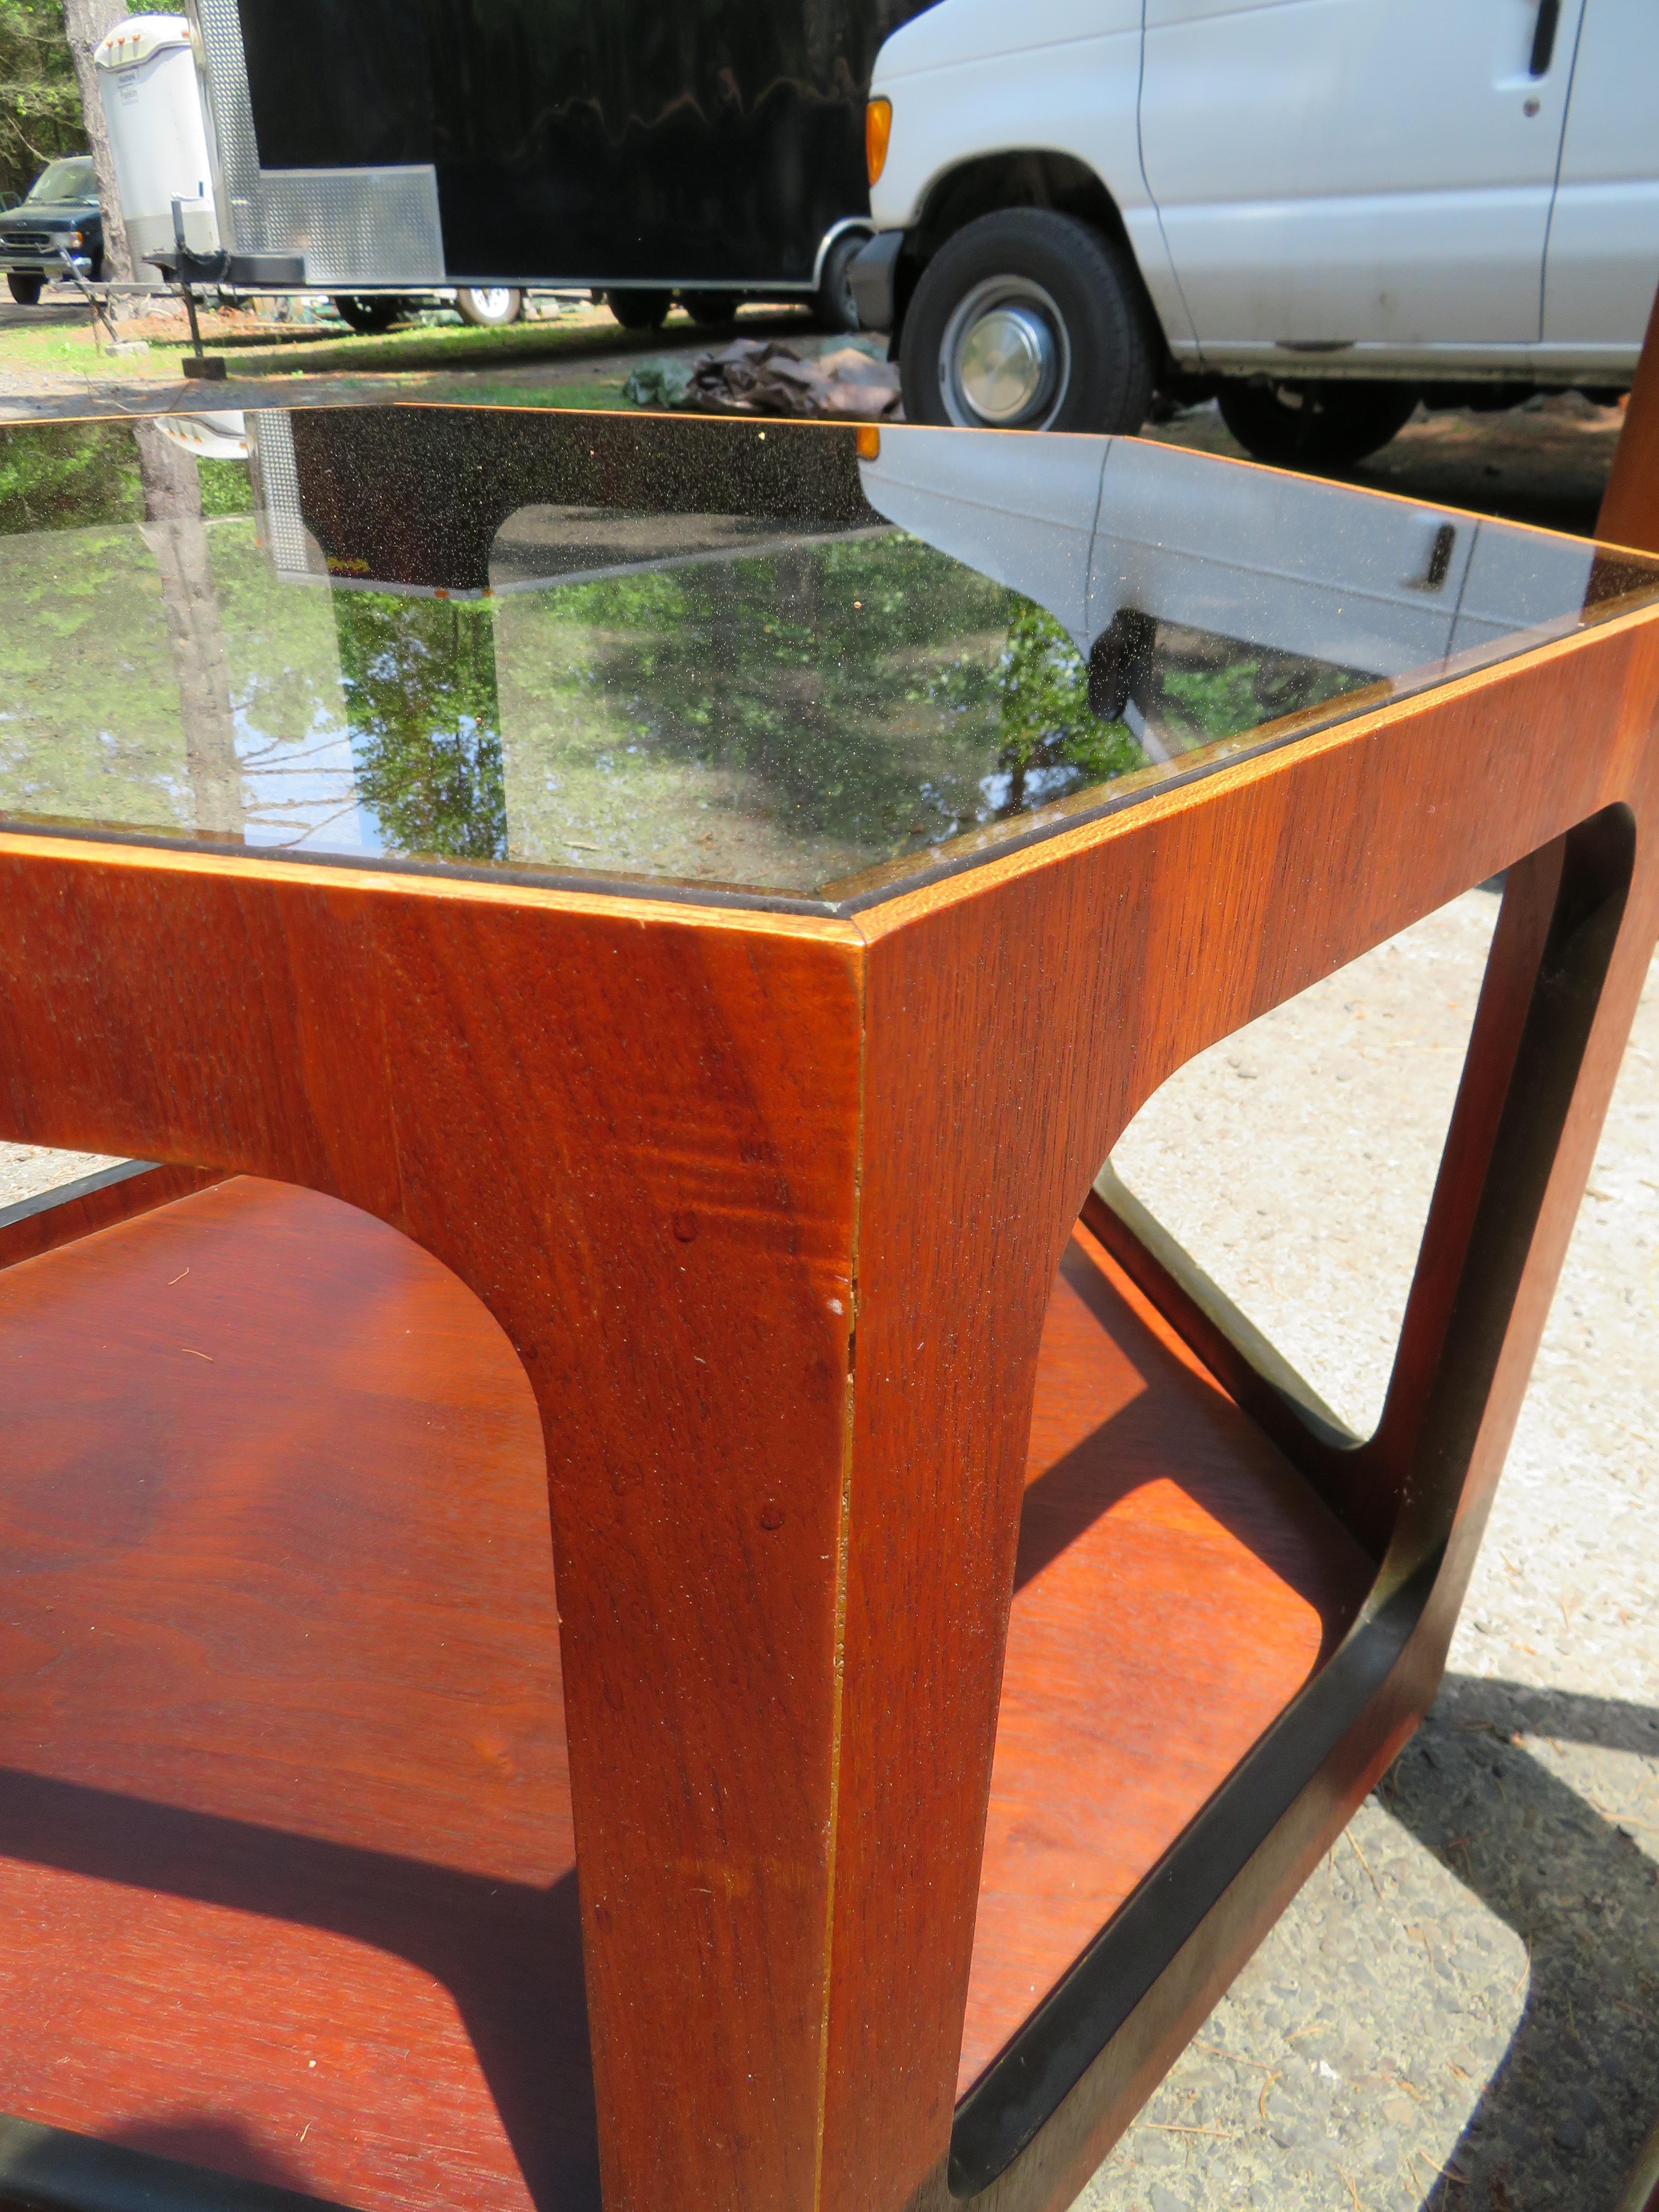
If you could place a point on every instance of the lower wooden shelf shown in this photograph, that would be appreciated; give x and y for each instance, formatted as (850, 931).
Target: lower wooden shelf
(1177, 1584)
(288, 1884)
(287, 1881)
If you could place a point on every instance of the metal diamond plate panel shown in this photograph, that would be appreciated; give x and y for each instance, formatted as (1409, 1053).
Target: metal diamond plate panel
(355, 226)
(277, 484)
(216, 36)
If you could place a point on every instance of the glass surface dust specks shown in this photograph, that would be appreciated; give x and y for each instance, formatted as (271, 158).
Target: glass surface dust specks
(726, 658)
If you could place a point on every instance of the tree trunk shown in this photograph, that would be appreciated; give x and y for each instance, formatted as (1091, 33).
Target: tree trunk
(85, 22)
(177, 536)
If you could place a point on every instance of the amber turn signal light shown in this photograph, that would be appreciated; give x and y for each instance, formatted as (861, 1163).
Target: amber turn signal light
(867, 442)
(877, 129)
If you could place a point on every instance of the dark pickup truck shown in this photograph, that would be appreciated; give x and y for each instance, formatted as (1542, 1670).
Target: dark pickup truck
(58, 220)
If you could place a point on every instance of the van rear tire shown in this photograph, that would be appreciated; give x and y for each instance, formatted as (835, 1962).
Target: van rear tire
(1029, 320)
(1321, 423)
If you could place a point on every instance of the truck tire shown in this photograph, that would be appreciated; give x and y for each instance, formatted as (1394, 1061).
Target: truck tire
(368, 313)
(837, 310)
(1029, 320)
(710, 310)
(1327, 423)
(489, 306)
(637, 310)
(26, 290)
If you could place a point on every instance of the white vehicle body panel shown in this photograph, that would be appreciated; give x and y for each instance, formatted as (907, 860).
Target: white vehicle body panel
(1338, 186)
(1114, 523)
(1603, 267)
(1354, 171)
(970, 78)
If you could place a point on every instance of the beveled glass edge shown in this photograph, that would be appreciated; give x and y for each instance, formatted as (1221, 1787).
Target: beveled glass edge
(667, 890)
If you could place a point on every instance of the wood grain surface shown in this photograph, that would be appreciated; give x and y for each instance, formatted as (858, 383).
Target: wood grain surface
(1630, 506)
(1018, 1018)
(673, 1152)
(60, 1217)
(1175, 1584)
(287, 1869)
(631, 1130)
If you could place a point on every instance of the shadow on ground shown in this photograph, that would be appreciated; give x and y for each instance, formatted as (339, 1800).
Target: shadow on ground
(1526, 1795)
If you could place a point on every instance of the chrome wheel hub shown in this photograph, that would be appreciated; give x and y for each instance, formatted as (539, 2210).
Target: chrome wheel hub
(1005, 360)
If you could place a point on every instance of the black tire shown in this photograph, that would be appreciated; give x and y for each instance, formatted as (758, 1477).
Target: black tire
(636, 310)
(26, 290)
(837, 310)
(489, 306)
(369, 312)
(710, 309)
(1052, 275)
(1320, 424)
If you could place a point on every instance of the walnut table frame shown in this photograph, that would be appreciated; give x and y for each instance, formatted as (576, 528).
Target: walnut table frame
(769, 1203)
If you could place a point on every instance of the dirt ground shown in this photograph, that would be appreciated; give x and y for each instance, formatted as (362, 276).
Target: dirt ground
(1545, 462)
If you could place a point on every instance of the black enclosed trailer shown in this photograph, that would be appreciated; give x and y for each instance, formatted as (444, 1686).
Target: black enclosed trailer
(639, 147)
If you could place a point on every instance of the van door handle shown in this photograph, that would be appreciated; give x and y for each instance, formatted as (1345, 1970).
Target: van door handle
(1543, 37)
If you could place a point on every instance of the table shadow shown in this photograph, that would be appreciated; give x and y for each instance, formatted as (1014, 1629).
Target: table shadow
(1560, 2123)
(509, 1952)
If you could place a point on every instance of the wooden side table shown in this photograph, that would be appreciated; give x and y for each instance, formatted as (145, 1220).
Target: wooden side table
(633, 939)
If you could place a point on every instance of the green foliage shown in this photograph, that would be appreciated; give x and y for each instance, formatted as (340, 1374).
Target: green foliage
(227, 488)
(89, 714)
(40, 100)
(419, 676)
(1046, 718)
(67, 476)
(1240, 694)
(788, 719)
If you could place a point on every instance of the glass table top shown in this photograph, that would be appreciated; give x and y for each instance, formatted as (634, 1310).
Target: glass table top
(788, 664)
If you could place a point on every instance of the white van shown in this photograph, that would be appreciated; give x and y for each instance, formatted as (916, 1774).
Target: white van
(1319, 210)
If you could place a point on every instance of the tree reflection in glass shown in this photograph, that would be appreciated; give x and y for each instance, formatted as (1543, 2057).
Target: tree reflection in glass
(419, 679)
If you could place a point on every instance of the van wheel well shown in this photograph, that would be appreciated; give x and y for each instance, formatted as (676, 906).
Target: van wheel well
(1034, 180)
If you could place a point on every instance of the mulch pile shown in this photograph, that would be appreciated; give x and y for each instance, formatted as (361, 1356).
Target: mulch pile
(749, 377)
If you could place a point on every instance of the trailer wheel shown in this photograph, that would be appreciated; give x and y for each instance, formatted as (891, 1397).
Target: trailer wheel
(489, 306)
(637, 310)
(837, 310)
(1029, 320)
(26, 290)
(369, 312)
(711, 309)
(1325, 425)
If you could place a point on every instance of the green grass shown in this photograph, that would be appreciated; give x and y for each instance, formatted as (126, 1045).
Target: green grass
(295, 349)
